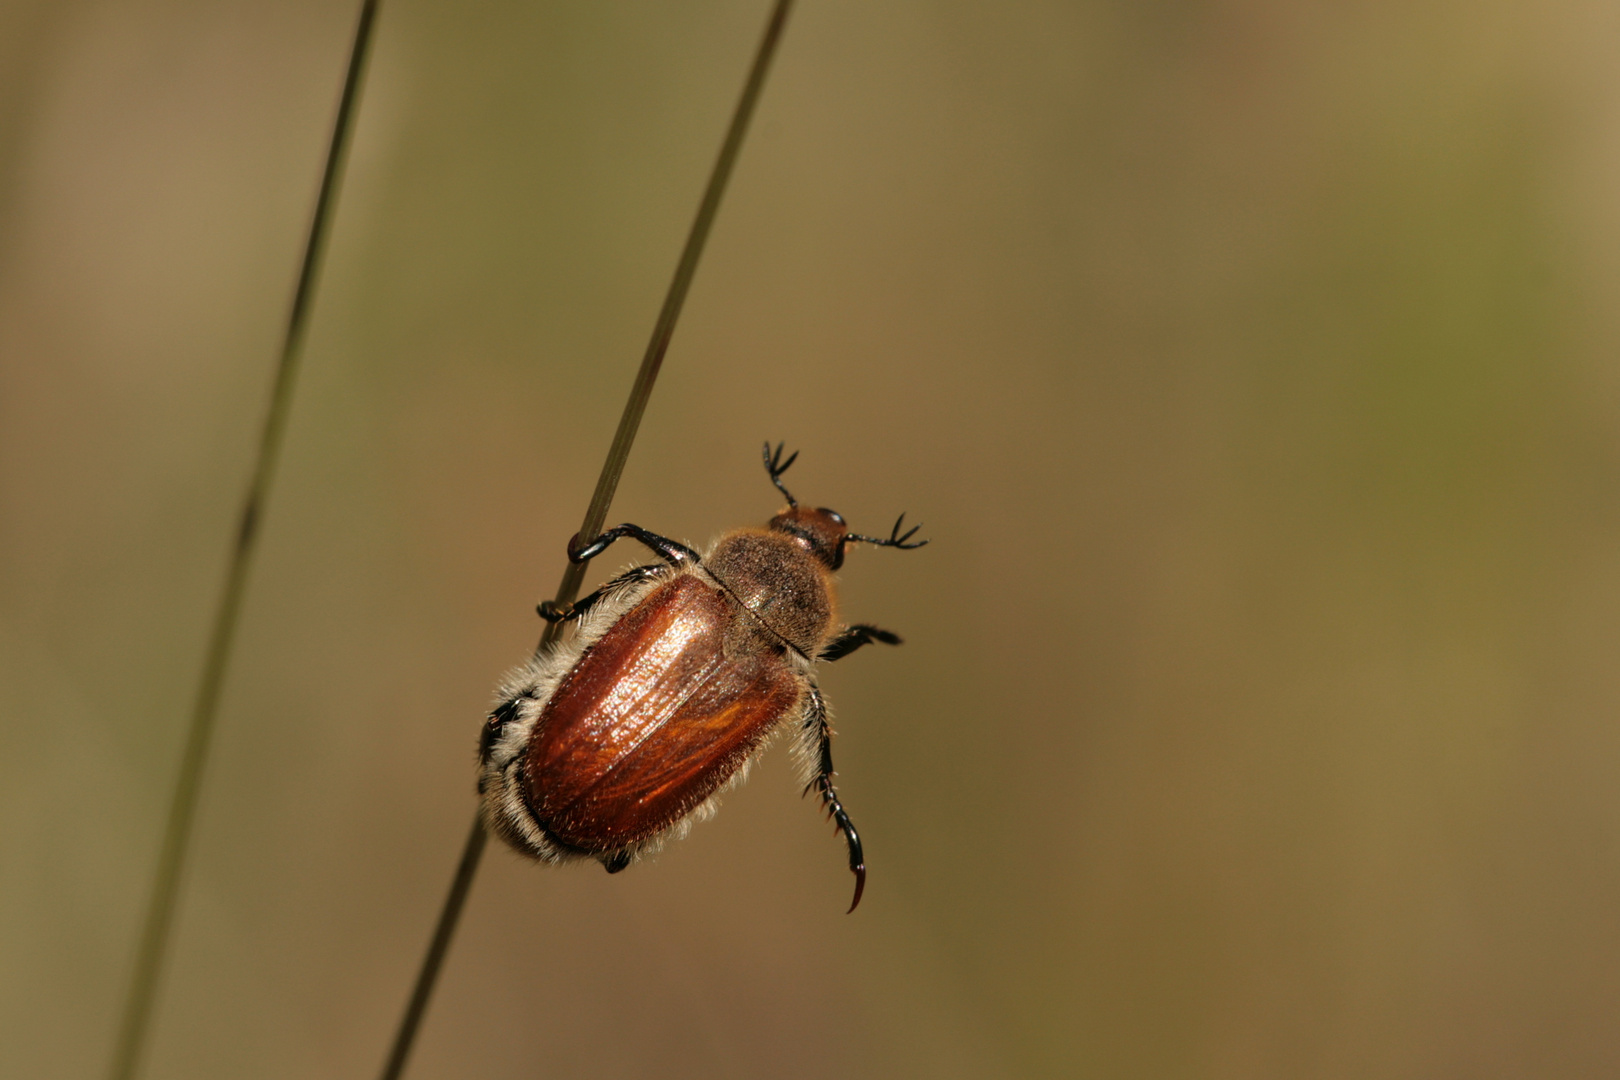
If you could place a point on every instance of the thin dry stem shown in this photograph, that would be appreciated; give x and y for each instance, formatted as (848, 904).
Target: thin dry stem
(596, 513)
(153, 949)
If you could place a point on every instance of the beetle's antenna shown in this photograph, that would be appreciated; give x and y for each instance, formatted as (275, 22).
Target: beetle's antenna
(776, 467)
(896, 538)
(160, 912)
(596, 513)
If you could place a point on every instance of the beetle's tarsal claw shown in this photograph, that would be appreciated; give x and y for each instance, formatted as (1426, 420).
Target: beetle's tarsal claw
(574, 548)
(860, 887)
(551, 611)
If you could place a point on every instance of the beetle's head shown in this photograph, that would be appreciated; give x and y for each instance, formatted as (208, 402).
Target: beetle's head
(821, 532)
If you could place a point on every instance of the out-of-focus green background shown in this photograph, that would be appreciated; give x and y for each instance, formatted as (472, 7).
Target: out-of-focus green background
(1252, 366)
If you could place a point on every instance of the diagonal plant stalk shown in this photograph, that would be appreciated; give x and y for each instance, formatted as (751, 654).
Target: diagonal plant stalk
(596, 512)
(153, 948)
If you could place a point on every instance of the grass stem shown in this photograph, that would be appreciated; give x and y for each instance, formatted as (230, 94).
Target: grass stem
(152, 950)
(596, 513)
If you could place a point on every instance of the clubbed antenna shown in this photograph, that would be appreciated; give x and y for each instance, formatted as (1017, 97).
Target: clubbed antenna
(896, 538)
(776, 467)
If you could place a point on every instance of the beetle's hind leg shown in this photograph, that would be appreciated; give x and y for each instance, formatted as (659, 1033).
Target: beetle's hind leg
(494, 725)
(818, 733)
(854, 637)
(552, 612)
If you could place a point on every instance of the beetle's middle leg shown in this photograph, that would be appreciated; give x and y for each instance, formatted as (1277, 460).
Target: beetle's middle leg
(552, 612)
(816, 727)
(853, 637)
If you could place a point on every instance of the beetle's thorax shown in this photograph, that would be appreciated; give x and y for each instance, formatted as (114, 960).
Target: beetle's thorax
(773, 576)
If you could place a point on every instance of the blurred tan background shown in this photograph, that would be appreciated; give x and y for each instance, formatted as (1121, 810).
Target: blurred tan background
(1251, 366)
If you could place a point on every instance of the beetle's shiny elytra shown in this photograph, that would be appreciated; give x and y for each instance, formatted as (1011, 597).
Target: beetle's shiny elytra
(621, 733)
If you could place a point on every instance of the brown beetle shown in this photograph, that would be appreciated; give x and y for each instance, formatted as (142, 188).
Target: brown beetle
(623, 732)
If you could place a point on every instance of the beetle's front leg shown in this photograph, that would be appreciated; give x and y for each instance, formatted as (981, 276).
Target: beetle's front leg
(854, 637)
(817, 728)
(667, 549)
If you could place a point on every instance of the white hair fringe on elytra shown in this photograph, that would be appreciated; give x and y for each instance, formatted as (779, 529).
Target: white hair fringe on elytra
(533, 683)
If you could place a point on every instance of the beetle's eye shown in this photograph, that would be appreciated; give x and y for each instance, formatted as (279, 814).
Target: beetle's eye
(835, 515)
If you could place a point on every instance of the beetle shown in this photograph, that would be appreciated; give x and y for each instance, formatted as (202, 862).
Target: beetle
(670, 681)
